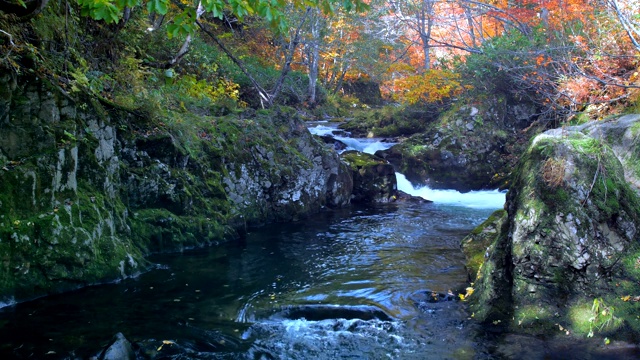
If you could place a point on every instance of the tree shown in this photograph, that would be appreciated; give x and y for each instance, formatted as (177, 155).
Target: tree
(418, 17)
(624, 11)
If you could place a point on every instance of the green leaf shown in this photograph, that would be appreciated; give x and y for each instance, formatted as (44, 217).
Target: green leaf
(173, 30)
(216, 7)
(107, 12)
(158, 6)
(127, 3)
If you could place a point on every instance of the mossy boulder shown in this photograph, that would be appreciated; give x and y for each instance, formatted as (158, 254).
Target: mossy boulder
(471, 146)
(374, 179)
(90, 189)
(622, 135)
(568, 253)
(475, 245)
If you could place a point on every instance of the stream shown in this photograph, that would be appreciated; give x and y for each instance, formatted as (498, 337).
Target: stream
(366, 282)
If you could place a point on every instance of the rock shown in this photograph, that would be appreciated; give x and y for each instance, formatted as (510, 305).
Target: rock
(621, 135)
(89, 190)
(374, 179)
(403, 196)
(569, 240)
(466, 148)
(119, 349)
(475, 246)
(335, 143)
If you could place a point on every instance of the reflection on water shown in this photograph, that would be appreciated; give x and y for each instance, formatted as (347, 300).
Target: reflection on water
(228, 301)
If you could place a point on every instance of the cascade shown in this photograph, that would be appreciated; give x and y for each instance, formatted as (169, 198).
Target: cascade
(484, 199)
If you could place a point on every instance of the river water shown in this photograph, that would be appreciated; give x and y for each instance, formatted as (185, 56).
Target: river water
(372, 282)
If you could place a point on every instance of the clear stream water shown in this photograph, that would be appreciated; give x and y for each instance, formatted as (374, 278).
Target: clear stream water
(356, 283)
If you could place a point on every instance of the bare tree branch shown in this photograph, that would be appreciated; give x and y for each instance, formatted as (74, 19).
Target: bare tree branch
(631, 27)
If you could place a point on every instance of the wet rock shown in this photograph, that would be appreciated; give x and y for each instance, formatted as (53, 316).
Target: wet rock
(475, 246)
(403, 196)
(325, 312)
(374, 179)
(335, 143)
(119, 349)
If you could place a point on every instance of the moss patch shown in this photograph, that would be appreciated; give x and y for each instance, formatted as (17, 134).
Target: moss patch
(475, 244)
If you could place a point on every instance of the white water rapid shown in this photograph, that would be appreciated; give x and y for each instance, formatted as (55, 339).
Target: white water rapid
(485, 199)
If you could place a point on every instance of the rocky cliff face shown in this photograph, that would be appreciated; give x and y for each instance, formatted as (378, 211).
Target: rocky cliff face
(567, 252)
(89, 190)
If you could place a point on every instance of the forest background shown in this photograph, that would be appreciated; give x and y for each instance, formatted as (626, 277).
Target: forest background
(574, 59)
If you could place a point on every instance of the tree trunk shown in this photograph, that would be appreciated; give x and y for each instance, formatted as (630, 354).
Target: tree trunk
(314, 57)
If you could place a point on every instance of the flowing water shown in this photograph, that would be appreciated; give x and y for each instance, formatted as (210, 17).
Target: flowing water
(359, 283)
(375, 282)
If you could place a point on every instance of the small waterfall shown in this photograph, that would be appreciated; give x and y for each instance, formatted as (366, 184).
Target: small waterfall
(486, 199)
(365, 145)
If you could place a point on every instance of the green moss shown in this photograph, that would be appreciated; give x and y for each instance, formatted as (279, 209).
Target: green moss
(357, 159)
(598, 316)
(476, 243)
(161, 230)
(534, 319)
(586, 145)
(579, 119)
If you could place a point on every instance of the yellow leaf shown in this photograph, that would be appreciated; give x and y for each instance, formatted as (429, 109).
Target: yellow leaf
(626, 298)
(469, 291)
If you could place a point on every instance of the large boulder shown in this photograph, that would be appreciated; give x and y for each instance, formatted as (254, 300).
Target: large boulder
(471, 146)
(374, 179)
(567, 254)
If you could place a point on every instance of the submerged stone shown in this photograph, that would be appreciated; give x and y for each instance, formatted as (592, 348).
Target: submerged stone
(119, 349)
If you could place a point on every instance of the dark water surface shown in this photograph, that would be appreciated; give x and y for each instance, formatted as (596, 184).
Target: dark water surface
(348, 284)
(353, 283)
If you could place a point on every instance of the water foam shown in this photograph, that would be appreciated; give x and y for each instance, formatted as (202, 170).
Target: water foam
(365, 145)
(486, 199)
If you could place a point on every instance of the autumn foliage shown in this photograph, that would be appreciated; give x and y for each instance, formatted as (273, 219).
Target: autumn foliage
(430, 86)
(565, 56)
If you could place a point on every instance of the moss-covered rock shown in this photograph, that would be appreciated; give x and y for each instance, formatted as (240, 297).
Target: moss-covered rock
(471, 146)
(374, 179)
(89, 190)
(475, 245)
(568, 254)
